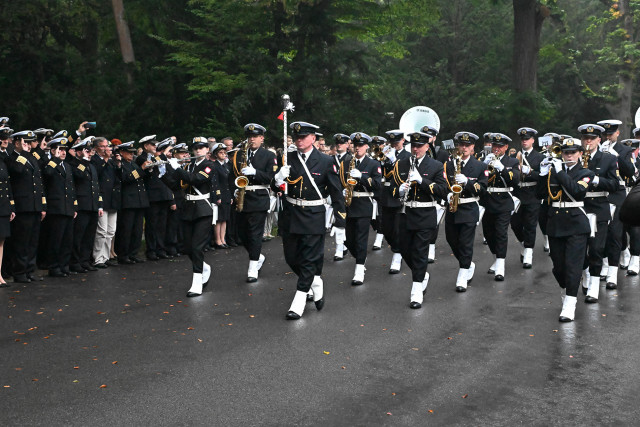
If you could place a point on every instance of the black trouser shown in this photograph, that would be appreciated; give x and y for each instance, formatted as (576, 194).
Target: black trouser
(25, 232)
(495, 227)
(59, 242)
(613, 247)
(129, 232)
(595, 250)
(542, 217)
(44, 257)
(84, 232)
(524, 223)
(414, 247)
(357, 237)
(390, 226)
(231, 236)
(251, 229)
(376, 224)
(173, 237)
(460, 237)
(155, 227)
(196, 237)
(304, 254)
(566, 270)
(634, 240)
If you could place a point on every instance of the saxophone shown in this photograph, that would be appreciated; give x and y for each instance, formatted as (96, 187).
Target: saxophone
(456, 188)
(586, 156)
(241, 180)
(351, 182)
(414, 162)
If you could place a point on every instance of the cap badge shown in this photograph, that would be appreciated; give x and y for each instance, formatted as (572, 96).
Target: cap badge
(523, 132)
(296, 127)
(590, 129)
(569, 141)
(357, 137)
(465, 137)
(251, 127)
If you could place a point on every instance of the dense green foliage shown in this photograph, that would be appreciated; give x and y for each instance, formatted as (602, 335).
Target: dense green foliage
(207, 67)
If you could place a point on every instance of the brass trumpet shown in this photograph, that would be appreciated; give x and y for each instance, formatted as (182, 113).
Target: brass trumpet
(377, 153)
(456, 188)
(554, 150)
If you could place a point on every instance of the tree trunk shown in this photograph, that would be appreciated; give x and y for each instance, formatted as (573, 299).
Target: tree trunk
(528, 16)
(622, 110)
(126, 47)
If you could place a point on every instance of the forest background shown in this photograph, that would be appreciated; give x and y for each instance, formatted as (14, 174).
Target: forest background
(207, 67)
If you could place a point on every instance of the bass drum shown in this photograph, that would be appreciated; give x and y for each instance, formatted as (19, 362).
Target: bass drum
(416, 117)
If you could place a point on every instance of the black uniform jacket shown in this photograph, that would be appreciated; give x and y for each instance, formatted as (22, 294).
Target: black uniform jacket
(7, 205)
(566, 221)
(527, 193)
(387, 198)
(266, 165)
(60, 188)
(604, 166)
(476, 173)
(508, 177)
(88, 194)
(110, 186)
(344, 157)
(157, 191)
(311, 219)
(26, 183)
(41, 157)
(433, 186)
(630, 208)
(198, 178)
(223, 193)
(134, 193)
(625, 171)
(370, 181)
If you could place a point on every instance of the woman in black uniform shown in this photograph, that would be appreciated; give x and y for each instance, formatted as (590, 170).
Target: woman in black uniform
(223, 195)
(7, 211)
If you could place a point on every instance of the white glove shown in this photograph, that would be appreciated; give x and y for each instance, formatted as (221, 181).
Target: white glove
(173, 162)
(291, 148)
(390, 153)
(248, 171)
(404, 187)
(414, 176)
(488, 158)
(461, 179)
(595, 180)
(355, 173)
(449, 198)
(604, 147)
(545, 167)
(526, 169)
(339, 233)
(282, 174)
(497, 165)
(557, 164)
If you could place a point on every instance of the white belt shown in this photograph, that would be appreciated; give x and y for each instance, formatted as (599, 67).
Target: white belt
(597, 194)
(362, 194)
(567, 204)
(468, 200)
(527, 184)
(256, 187)
(499, 189)
(194, 197)
(387, 184)
(302, 202)
(414, 204)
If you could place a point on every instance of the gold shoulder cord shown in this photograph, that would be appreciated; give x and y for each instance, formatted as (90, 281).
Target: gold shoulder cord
(446, 176)
(396, 175)
(341, 171)
(551, 195)
(235, 164)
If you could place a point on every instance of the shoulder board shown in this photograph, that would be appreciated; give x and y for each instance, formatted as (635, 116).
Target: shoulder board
(21, 159)
(203, 173)
(36, 155)
(44, 200)
(584, 184)
(81, 167)
(135, 174)
(52, 164)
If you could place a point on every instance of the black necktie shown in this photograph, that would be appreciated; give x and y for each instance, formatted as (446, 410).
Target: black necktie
(304, 157)
(526, 154)
(250, 156)
(357, 163)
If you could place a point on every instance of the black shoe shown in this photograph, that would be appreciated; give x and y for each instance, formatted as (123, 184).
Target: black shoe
(356, 283)
(611, 285)
(430, 261)
(225, 246)
(21, 278)
(631, 273)
(178, 254)
(111, 263)
(376, 248)
(232, 244)
(338, 258)
(319, 304)
(136, 260)
(309, 297)
(251, 279)
(163, 256)
(192, 294)
(292, 316)
(414, 304)
(56, 273)
(125, 261)
(491, 271)
(101, 265)
(394, 271)
(527, 266)
(461, 289)
(89, 267)
(584, 290)
(152, 257)
(565, 319)
(545, 249)
(589, 299)
(68, 272)
(77, 269)
(499, 278)
(4, 285)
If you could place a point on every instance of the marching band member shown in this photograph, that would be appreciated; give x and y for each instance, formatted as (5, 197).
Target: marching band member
(633, 231)
(376, 224)
(308, 178)
(544, 206)
(342, 155)
(498, 201)
(613, 247)
(361, 177)
(261, 165)
(389, 204)
(565, 183)
(460, 222)
(525, 220)
(198, 210)
(442, 156)
(418, 180)
(603, 166)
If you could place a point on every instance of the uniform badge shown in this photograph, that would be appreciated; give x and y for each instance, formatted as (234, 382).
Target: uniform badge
(379, 170)
(207, 169)
(275, 161)
(586, 179)
(486, 173)
(444, 174)
(334, 169)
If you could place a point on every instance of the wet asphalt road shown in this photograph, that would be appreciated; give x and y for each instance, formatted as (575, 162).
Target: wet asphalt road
(495, 355)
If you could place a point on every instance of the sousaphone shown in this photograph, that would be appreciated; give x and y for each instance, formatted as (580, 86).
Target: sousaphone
(416, 117)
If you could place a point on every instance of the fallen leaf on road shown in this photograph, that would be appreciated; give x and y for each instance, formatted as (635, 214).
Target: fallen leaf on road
(103, 386)
(465, 396)
(326, 352)
(115, 362)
